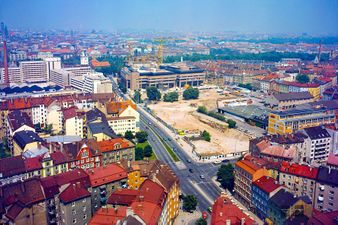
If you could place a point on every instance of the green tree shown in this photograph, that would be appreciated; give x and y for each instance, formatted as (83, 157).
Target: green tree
(225, 175)
(148, 151)
(189, 203)
(231, 123)
(139, 154)
(202, 109)
(201, 221)
(153, 93)
(171, 97)
(141, 136)
(191, 93)
(303, 78)
(206, 136)
(129, 135)
(137, 97)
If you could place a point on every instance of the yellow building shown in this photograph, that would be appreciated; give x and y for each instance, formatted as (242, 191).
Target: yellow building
(287, 122)
(138, 171)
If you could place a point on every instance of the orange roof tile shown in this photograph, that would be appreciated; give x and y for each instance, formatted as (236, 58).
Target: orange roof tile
(106, 174)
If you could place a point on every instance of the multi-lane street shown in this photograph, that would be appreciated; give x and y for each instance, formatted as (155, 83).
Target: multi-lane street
(186, 169)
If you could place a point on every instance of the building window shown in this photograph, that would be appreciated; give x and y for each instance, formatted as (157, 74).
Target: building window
(74, 221)
(84, 217)
(74, 212)
(73, 204)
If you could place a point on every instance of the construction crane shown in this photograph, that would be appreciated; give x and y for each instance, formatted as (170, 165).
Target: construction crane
(160, 50)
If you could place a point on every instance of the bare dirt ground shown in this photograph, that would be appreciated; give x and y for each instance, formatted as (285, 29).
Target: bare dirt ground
(182, 116)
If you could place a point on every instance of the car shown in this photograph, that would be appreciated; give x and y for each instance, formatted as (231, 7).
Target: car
(188, 160)
(149, 123)
(191, 171)
(210, 209)
(202, 176)
(217, 162)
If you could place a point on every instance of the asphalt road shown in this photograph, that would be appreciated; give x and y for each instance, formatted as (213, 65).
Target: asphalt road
(205, 190)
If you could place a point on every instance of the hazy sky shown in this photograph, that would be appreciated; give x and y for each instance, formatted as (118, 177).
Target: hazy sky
(263, 16)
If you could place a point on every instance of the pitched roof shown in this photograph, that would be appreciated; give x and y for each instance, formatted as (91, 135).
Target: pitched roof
(328, 176)
(166, 177)
(152, 192)
(108, 216)
(69, 113)
(106, 174)
(299, 170)
(323, 218)
(318, 132)
(22, 138)
(223, 209)
(267, 184)
(283, 199)
(278, 151)
(149, 212)
(118, 107)
(58, 158)
(332, 160)
(251, 164)
(27, 192)
(293, 96)
(123, 197)
(12, 166)
(14, 211)
(101, 127)
(73, 192)
(18, 118)
(33, 163)
(114, 144)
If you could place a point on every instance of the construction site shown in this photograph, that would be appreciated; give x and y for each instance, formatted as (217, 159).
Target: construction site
(182, 115)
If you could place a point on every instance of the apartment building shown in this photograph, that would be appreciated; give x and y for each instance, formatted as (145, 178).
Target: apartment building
(60, 77)
(114, 150)
(326, 197)
(299, 179)
(319, 144)
(246, 171)
(75, 205)
(262, 190)
(92, 83)
(52, 63)
(103, 181)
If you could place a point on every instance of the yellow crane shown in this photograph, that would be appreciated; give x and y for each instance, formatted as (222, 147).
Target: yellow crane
(160, 50)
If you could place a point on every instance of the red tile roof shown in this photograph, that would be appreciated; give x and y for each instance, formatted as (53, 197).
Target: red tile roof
(267, 184)
(297, 84)
(299, 170)
(108, 216)
(12, 166)
(106, 174)
(150, 213)
(69, 113)
(34, 163)
(58, 158)
(332, 160)
(95, 63)
(14, 211)
(251, 164)
(123, 197)
(73, 193)
(152, 192)
(224, 210)
(118, 107)
(114, 144)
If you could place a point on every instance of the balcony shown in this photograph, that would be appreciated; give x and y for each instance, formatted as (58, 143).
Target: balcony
(322, 187)
(320, 198)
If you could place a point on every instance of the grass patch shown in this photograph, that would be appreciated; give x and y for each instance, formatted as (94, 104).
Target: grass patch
(169, 150)
(143, 145)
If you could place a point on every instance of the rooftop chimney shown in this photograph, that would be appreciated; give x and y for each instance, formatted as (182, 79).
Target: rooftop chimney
(228, 222)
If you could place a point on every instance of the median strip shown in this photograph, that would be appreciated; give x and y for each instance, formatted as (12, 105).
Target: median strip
(166, 146)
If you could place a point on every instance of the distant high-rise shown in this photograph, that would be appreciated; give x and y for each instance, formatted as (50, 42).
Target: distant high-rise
(6, 77)
(34, 71)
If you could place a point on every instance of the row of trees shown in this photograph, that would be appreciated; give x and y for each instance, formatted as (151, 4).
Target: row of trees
(228, 54)
(202, 109)
(154, 94)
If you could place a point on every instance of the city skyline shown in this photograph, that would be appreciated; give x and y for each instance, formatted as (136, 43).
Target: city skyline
(271, 17)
